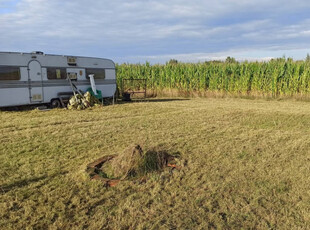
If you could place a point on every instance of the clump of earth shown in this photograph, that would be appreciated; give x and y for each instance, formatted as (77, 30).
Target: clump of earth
(134, 162)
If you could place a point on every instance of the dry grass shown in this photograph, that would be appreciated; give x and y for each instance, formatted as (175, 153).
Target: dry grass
(248, 166)
(253, 95)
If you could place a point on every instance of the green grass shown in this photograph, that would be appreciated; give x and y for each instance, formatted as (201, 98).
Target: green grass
(248, 166)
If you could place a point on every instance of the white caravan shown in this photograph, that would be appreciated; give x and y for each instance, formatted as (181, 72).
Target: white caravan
(35, 78)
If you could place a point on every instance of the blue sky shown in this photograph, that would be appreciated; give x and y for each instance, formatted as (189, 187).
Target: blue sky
(157, 31)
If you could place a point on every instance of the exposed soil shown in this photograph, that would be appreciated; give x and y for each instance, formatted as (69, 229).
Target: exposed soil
(133, 163)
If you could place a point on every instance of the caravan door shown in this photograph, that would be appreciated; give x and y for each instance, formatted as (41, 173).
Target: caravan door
(35, 82)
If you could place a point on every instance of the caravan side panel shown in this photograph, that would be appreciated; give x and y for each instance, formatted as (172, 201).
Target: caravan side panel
(51, 92)
(15, 92)
(110, 74)
(13, 96)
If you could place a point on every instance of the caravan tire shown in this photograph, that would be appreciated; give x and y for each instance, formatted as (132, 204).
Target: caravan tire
(55, 103)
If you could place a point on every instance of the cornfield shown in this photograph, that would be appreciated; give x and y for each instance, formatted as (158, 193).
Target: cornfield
(277, 77)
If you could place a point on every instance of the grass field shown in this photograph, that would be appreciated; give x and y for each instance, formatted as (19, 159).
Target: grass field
(248, 166)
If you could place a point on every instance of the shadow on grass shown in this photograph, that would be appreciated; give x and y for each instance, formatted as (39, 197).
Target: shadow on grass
(25, 182)
(22, 108)
(152, 100)
(119, 101)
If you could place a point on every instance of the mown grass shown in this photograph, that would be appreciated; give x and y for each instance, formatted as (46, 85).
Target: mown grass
(248, 166)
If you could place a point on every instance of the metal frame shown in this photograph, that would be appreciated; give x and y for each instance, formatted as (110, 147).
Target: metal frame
(132, 91)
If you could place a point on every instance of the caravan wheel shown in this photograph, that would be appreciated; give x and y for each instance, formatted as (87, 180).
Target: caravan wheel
(55, 103)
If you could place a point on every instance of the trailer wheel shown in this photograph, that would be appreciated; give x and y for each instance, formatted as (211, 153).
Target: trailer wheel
(55, 103)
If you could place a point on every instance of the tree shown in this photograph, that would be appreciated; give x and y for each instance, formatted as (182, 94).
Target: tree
(173, 62)
(308, 58)
(230, 60)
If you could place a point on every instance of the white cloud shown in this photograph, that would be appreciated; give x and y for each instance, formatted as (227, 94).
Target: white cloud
(150, 27)
(240, 55)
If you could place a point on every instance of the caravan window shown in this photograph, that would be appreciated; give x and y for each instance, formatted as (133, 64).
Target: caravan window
(9, 73)
(56, 73)
(98, 73)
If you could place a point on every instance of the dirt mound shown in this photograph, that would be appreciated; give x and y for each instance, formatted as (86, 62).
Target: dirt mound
(133, 162)
(128, 163)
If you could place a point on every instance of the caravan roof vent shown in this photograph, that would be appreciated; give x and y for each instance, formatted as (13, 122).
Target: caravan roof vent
(37, 52)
